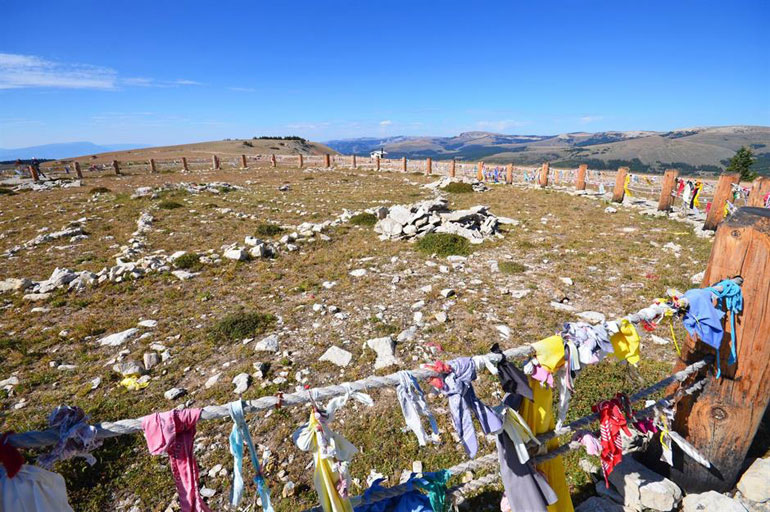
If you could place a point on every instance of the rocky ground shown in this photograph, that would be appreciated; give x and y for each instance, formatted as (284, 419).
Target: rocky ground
(253, 282)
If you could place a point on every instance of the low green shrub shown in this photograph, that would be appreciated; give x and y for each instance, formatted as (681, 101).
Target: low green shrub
(267, 229)
(188, 261)
(444, 244)
(363, 219)
(511, 267)
(100, 190)
(169, 205)
(245, 324)
(458, 188)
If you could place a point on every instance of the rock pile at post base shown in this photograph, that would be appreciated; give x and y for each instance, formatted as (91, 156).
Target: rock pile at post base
(403, 222)
(478, 186)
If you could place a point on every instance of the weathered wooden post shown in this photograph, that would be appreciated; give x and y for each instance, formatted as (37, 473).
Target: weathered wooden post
(619, 192)
(509, 174)
(272, 161)
(556, 179)
(543, 180)
(721, 194)
(116, 167)
(403, 164)
(78, 172)
(299, 161)
(452, 168)
(244, 165)
(184, 164)
(355, 165)
(153, 169)
(33, 173)
(215, 162)
(428, 166)
(327, 160)
(580, 181)
(377, 163)
(668, 185)
(722, 420)
(759, 189)
(480, 171)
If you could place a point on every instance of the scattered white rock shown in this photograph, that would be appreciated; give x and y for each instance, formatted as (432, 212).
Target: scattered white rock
(755, 482)
(236, 254)
(212, 381)
(268, 344)
(566, 280)
(658, 340)
(610, 209)
(711, 501)
(385, 349)
(447, 292)
(642, 487)
(336, 355)
(241, 382)
(148, 323)
(562, 307)
(592, 317)
(441, 317)
(174, 393)
(359, 272)
(119, 338)
(698, 278)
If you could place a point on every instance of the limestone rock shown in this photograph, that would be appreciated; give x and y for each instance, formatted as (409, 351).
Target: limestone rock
(337, 356)
(755, 482)
(711, 501)
(174, 393)
(14, 285)
(212, 381)
(642, 487)
(236, 254)
(241, 382)
(385, 349)
(268, 344)
(596, 504)
(119, 338)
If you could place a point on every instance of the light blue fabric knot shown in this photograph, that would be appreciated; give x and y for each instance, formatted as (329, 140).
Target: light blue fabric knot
(238, 436)
(731, 297)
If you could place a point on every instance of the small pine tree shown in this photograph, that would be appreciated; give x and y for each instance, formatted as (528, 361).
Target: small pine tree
(741, 163)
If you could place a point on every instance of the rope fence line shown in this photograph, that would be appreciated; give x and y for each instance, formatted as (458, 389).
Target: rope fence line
(107, 429)
(491, 459)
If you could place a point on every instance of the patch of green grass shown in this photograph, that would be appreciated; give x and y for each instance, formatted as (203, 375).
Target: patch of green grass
(169, 205)
(511, 267)
(444, 244)
(100, 190)
(267, 229)
(457, 187)
(363, 219)
(6, 191)
(188, 261)
(241, 325)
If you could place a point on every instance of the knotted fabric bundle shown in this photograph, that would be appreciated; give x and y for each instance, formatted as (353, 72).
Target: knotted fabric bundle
(76, 437)
(413, 406)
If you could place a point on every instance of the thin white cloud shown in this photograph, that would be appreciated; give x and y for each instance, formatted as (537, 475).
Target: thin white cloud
(590, 119)
(500, 125)
(386, 122)
(242, 89)
(27, 71)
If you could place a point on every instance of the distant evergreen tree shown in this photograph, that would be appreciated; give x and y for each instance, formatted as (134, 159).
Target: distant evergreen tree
(741, 163)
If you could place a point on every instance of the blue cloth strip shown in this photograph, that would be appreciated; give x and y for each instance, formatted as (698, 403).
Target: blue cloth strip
(238, 436)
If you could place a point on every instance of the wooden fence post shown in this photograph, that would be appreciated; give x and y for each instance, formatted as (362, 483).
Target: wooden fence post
(428, 166)
(722, 420)
(509, 174)
(667, 194)
(272, 161)
(543, 181)
(215, 162)
(759, 189)
(723, 191)
(580, 182)
(480, 171)
(153, 169)
(116, 167)
(556, 179)
(619, 192)
(355, 165)
(184, 164)
(327, 161)
(452, 168)
(33, 173)
(78, 172)
(377, 163)
(299, 161)
(244, 165)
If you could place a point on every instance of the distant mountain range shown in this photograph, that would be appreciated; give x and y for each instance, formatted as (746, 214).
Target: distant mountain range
(705, 149)
(62, 150)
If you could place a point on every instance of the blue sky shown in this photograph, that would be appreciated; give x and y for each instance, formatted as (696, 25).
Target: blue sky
(164, 72)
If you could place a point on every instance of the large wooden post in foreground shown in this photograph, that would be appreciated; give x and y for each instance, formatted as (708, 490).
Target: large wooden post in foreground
(299, 161)
(428, 166)
(116, 167)
(509, 174)
(480, 171)
(759, 189)
(543, 179)
(722, 420)
(619, 192)
(668, 185)
(272, 161)
(722, 193)
(452, 166)
(580, 181)
(403, 164)
(184, 164)
(78, 172)
(153, 169)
